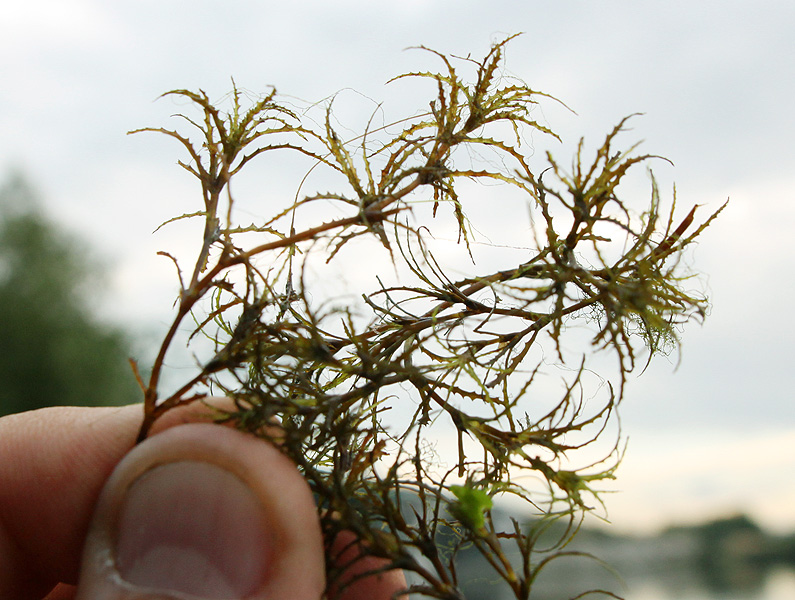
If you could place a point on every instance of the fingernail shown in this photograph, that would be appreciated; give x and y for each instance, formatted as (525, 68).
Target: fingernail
(200, 511)
(193, 528)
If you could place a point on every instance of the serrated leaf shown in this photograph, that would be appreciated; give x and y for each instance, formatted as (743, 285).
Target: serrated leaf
(201, 213)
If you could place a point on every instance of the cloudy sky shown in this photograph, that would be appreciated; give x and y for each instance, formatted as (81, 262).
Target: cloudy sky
(715, 81)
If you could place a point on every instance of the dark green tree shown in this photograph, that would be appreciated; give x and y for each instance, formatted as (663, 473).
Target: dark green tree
(54, 350)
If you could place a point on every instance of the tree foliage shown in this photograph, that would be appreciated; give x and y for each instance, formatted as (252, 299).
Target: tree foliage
(54, 352)
(358, 394)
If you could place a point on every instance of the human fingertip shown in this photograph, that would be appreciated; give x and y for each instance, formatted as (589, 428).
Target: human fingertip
(204, 512)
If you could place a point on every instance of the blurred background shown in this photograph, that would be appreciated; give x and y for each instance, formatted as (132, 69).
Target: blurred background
(56, 350)
(710, 462)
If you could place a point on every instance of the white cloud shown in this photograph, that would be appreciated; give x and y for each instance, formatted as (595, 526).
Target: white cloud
(680, 478)
(40, 24)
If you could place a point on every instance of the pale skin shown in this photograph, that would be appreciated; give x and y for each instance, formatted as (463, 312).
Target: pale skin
(54, 464)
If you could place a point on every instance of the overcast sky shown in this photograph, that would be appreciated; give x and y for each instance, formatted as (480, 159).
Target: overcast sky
(715, 81)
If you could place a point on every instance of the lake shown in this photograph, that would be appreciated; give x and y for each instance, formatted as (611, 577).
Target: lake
(727, 559)
(674, 566)
(777, 584)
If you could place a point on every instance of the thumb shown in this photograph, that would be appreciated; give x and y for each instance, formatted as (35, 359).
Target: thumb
(201, 511)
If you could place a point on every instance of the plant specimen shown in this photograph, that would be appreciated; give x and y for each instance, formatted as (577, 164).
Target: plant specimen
(443, 345)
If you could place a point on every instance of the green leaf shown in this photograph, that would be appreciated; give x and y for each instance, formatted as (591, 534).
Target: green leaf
(470, 506)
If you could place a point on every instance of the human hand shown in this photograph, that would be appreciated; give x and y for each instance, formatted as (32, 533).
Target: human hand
(195, 511)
